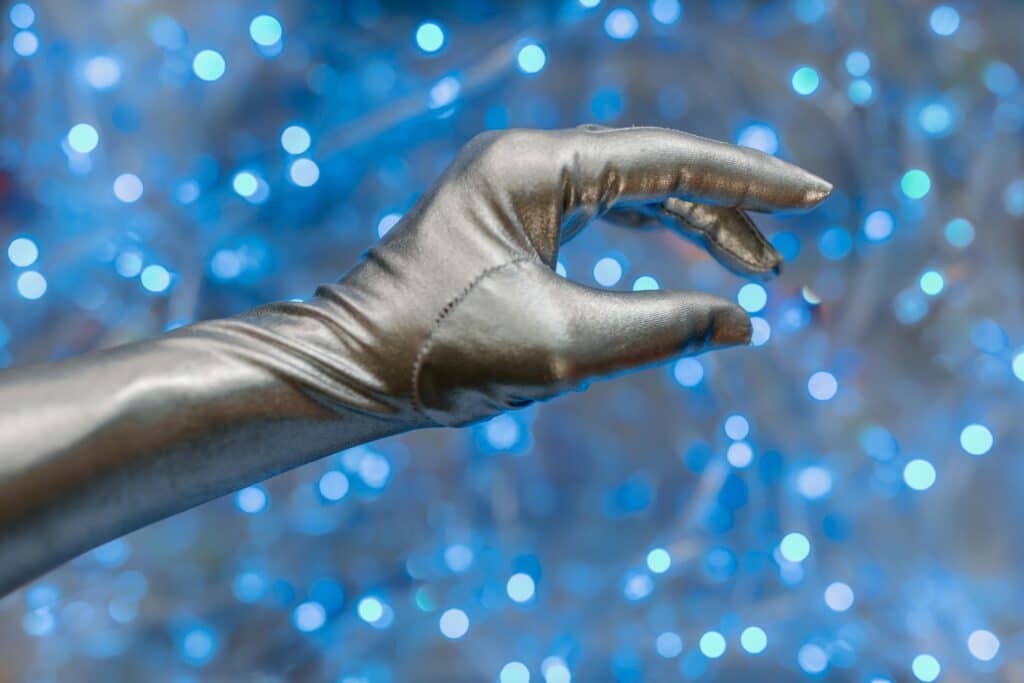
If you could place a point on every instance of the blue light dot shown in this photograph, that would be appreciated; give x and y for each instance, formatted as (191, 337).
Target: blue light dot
(935, 119)
(983, 644)
(589, 4)
(822, 386)
(659, 561)
(555, 671)
(1013, 197)
(458, 557)
(22, 15)
(39, 622)
(737, 427)
(809, 11)
(520, 587)
(514, 672)
(22, 252)
(835, 243)
(370, 610)
(915, 183)
(444, 92)
(304, 172)
(128, 263)
(387, 222)
(209, 65)
(198, 645)
(265, 30)
(1000, 78)
(309, 616)
(944, 20)
(621, 24)
(453, 623)
(531, 58)
(858, 63)
(739, 454)
(805, 80)
(878, 226)
(795, 547)
(102, 72)
(607, 271)
(976, 439)
(666, 11)
(754, 640)
(1018, 366)
(926, 668)
(645, 283)
(919, 474)
(155, 278)
(31, 285)
(959, 233)
(759, 136)
(712, 644)
(249, 586)
(25, 43)
(932, 282)
(839, 597)
(128, 188)
(688, 372)
(333, 485)
(83, 138)
(295, 139)
(430, 36)
(245, 184)
(668, 644)
(860, 91)
(814, 482)
(752, 297)
(812, 659)
(251, 500)
(761, 331)
(637, 586)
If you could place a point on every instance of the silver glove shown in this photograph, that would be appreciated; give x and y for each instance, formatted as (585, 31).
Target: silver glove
(455, 316)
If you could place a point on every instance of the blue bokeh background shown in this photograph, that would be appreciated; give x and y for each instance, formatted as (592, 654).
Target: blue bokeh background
(839, 502)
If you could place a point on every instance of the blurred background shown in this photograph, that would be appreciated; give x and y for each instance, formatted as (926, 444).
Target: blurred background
(839, 502)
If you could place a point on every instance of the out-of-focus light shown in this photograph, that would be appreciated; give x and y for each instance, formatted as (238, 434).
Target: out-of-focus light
(128, 263)
(83, 138)
(387, 222)
(1018, 366)
(712, 644)
(458, 557)
(309, 616)
(759, 136)
(454, 624)
(959, 233)
(304, 172)
(915, 183)
(555, 671)
(919, 474)
(666, 11)
(760, 332)
(333, 485)
(835, 243)
(245, 184)
(251, 499)
(752, 297)
(839, 597)
(805, 80)
(444, 92)
(31, 285)
(754, 640)
(858, 63)
(984, 645)
(795, 547)
(736, 427)
(822, 386)
(430, 36)
(621, 24)
(514, 672)
(209, 65)
(688, 372)
(659, 561)
(932, 282)
(878, 225)
(155, 278)
(607, 271)
(926, 668)
(976, 439)
(814, 482)
(295, 139)
(739, 454)
(198, 645)
(812, 659)
(22, 15)
(668, 644)
(531, 58)
(102, 72)
(128, 188)
(370, 610)
(1000, 78)
(22, 252)
(809, 11)
(944, 20)
(645, 283)
(25, 43)
(935, 119)
(589, 4)
(637, 586)
(520, 587)
(860, 91)
(265, 30)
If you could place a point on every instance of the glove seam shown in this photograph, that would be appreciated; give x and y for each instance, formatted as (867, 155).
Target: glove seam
(440, 318)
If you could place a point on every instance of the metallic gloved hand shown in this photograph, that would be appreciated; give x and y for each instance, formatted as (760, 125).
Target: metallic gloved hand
(455, 316)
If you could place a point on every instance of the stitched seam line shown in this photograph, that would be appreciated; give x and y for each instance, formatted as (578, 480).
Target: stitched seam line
(443, 314)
